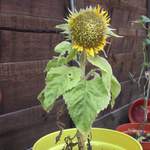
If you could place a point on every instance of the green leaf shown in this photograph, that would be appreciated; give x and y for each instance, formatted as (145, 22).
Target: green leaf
(56, 62)
(110, 82)
(111, 33)
(101, 63)
(85, 101)
(63, 27)
(58, 81)
(105, 68)
(147, 41)
(63, 47)
(144, 19)
(115, 89)
(71, 55)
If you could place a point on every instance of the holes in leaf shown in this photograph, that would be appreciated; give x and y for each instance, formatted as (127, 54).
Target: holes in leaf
(70, 76)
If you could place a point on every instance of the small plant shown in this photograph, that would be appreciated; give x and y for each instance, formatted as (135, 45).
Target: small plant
(143, 20)
(145, 73)
(85, 93)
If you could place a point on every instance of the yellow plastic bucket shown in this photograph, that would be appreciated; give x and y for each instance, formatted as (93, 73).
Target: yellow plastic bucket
(102, 139)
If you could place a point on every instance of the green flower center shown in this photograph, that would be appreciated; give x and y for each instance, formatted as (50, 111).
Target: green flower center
(88, 29)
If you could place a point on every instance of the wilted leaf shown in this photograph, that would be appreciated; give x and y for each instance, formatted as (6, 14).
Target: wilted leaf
(58, 81)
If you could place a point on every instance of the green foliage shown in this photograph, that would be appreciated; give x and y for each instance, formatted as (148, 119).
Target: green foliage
(144, 19)
(115, 89)
(59, 61)
(146, 41)
(56, 62)
(65, 30)
(58, 81)
(71, 55)
(85, 101)
(84, 97)
(63, 47)
(110, 82)
(63, 27)
(105, 68)
(110, 33)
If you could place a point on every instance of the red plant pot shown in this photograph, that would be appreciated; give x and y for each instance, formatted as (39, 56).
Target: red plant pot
(136, 111)
(128, 127)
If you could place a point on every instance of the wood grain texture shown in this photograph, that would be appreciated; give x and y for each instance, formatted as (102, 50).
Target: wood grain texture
(130, 5)
(24, 22)
(18, 46)
(21, 71)
(48, 9)
(122, 66)
(113, 119)
(19, 130)
(20, 84)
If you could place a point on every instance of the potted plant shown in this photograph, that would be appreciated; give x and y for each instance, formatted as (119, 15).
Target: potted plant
(139, 111)
(85, 93)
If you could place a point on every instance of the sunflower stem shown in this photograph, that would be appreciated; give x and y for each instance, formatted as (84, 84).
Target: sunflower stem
(83, 60)
(80, 136)
(81, 140)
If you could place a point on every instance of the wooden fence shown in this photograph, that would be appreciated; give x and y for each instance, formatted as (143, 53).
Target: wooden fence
(27, 39)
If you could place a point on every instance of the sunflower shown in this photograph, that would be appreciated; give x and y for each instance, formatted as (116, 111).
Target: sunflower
(88, 29)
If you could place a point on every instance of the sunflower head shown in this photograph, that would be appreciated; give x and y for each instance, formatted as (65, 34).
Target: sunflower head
(88, 29)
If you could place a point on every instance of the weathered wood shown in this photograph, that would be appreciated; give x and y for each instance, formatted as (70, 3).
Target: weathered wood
(148, 14)
(21, 94)
(26, 70)
(131, 32)
(48, 9)
(130, 5)
(148, 8)
(20, 84)
(24, 139)
(28, 117)
(19, 46)
(27, 23)
(32, 16)
(21, 71)
(30, 30)
(122, 66)
(80, 4)
(130, 91)
(126, 45)
(113, 119)
(27, 126)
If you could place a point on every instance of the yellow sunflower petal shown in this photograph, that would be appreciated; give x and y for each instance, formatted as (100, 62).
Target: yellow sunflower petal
(90, 52)
(88, 29)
